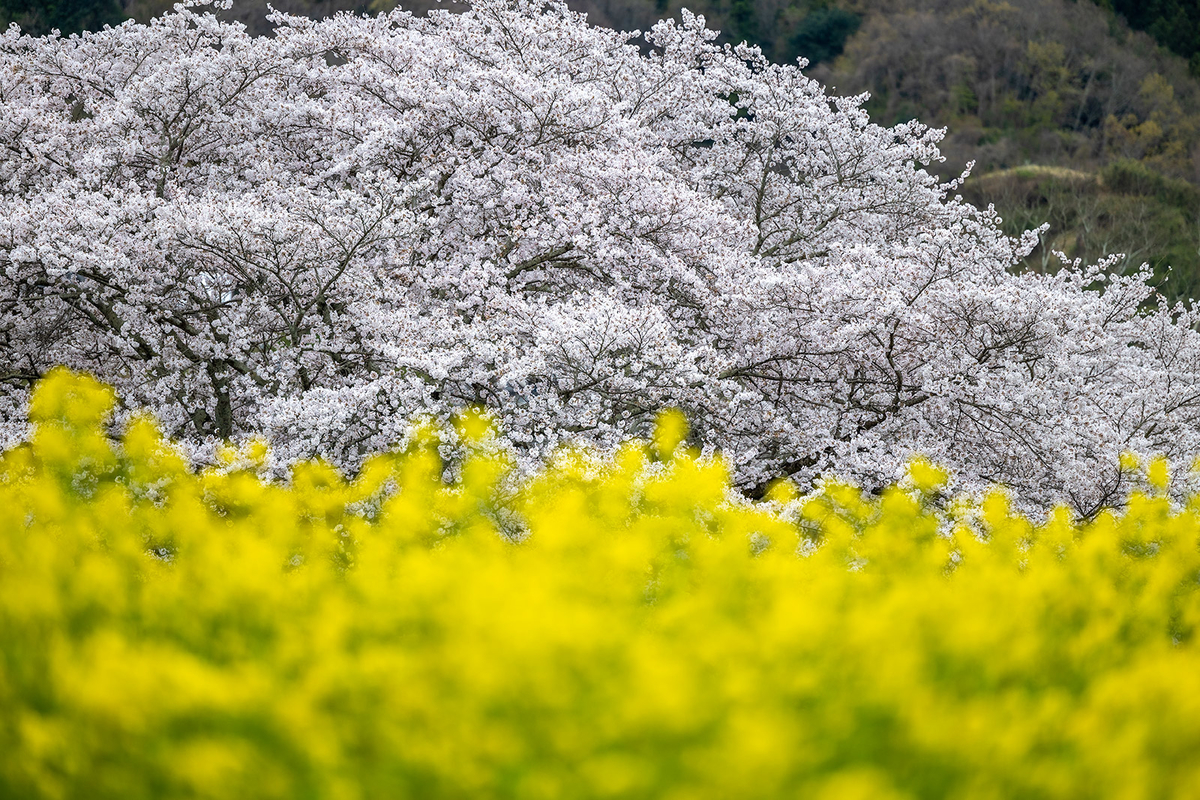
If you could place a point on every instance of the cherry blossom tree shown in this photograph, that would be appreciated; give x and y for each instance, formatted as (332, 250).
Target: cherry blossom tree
(319, 234)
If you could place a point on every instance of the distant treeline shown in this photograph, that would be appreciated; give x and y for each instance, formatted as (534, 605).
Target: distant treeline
(1173, 23)
(815, 29)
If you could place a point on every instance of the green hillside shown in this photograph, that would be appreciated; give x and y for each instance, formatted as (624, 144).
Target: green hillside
(1028, 88)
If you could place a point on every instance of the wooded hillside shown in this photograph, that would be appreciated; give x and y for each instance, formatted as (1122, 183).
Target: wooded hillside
(1059, 104)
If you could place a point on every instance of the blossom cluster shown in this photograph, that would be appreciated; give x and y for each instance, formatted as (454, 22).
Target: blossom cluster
(314, 235)
(608, 627)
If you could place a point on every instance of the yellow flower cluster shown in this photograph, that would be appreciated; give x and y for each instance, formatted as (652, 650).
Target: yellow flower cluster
(611, 628)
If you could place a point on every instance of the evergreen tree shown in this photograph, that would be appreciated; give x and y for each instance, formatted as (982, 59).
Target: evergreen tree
(1174, 23)
(39, 17)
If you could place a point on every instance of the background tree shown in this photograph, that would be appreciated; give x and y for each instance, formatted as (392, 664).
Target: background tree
(39, 17)
(1174, 23)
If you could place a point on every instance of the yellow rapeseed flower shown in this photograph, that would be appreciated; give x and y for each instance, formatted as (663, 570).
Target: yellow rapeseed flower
(609, 627)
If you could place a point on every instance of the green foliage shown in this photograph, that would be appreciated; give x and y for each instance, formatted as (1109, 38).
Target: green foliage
(1174, 23)
(39, 17)
(1134, 178)
(1125, 208)
(821, 35)
(743, 18)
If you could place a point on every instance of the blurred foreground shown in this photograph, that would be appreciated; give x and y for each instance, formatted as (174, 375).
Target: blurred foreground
(612, 627)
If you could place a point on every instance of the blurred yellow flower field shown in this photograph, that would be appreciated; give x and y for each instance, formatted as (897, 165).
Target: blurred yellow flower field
(610, 627)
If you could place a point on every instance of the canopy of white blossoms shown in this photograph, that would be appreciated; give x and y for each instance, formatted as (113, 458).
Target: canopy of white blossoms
(319, 234)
